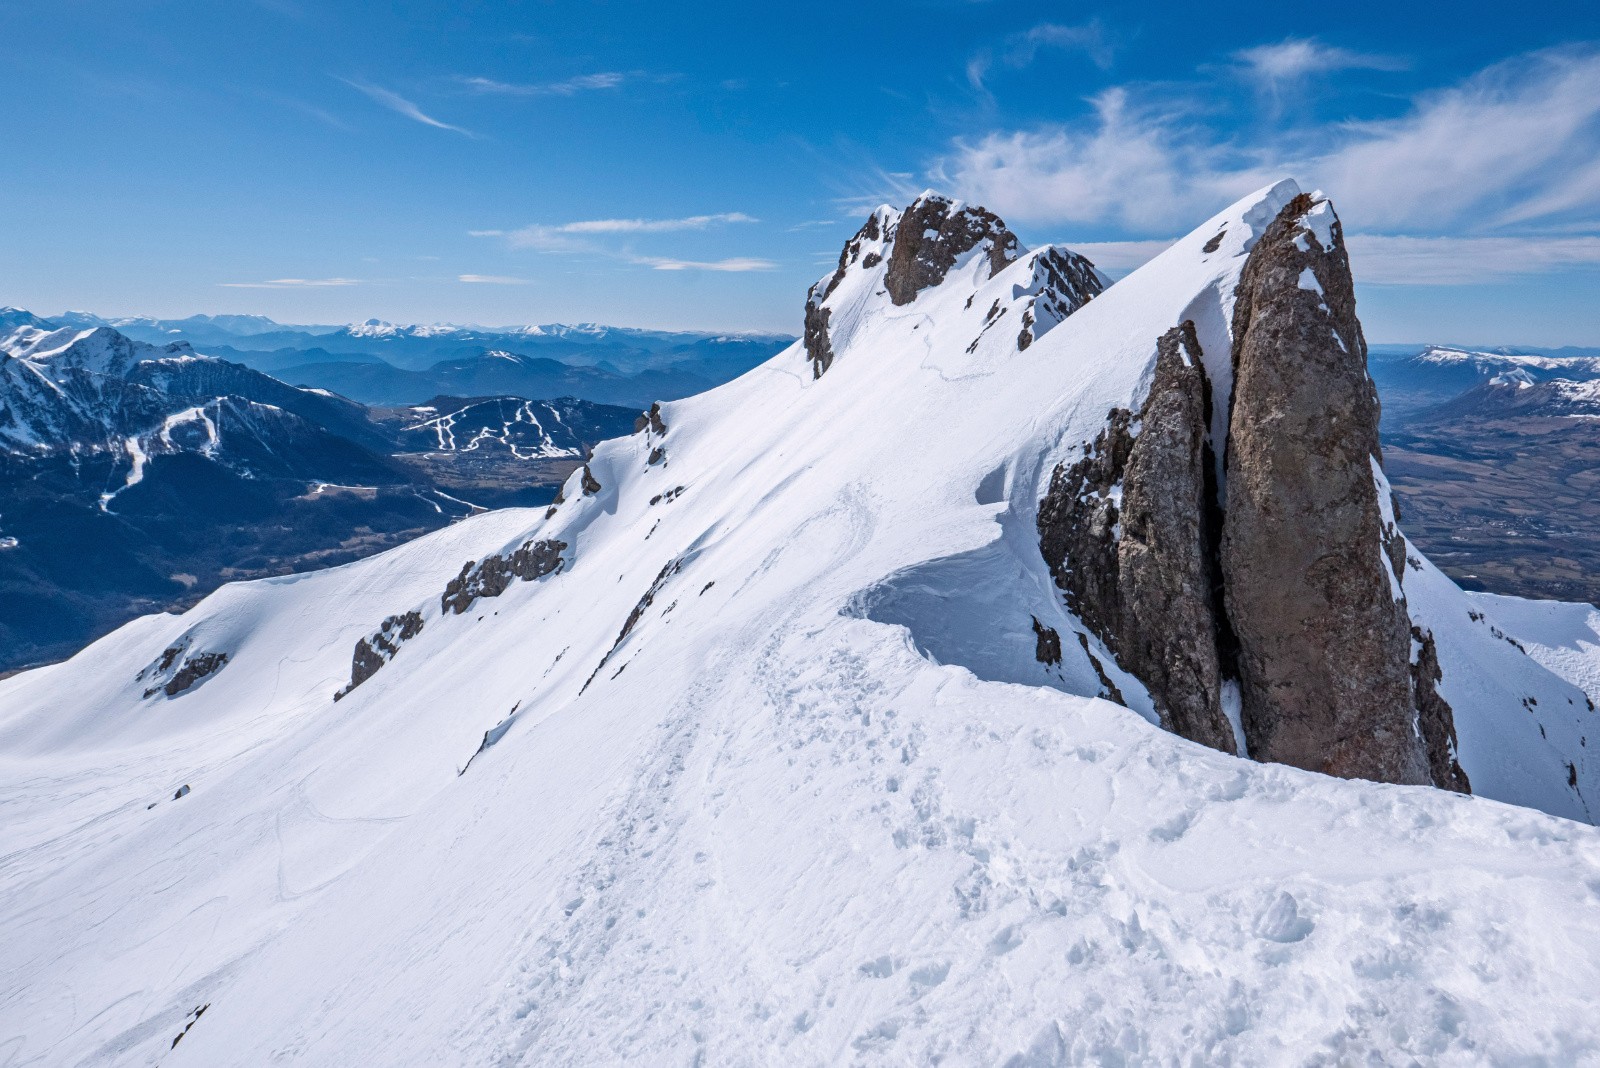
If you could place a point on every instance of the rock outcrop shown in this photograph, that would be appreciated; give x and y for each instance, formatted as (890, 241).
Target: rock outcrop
(1062, 283)
(492, 577)
(1285, 579)
(179, 670)
(865, 249)
(1129, 532)
(380, 647)
(1435, 718)
(1324, 637)
(932, 234)
(819, 346)
(915, 249)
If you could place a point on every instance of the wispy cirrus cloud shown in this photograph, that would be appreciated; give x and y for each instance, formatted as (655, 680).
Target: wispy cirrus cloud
(560, 237)
(1275, 66)
(655, 226)
(1516, 144)
(493, 280)
(401, 106)
(580, 236)
(293, 283)
(734, 264)
(1019, 50)
(609, 79)
(587, 236)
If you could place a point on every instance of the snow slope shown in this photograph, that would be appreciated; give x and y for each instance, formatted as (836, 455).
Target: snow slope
(766, 772)
(1563, 637)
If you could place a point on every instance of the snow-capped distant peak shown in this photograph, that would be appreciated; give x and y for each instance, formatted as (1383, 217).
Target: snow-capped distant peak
(1516, 376)
(372, 328)
(776, 739)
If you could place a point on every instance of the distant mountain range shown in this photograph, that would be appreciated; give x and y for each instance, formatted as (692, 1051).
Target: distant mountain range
(136, 477)
(1414, 378)
(378, 362)
(1023, 670)
(1496, 458)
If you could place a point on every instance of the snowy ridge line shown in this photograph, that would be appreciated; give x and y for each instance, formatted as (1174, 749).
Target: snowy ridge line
(826, 801)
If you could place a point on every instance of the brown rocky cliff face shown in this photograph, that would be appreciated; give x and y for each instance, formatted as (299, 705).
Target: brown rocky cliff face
(932, 236)
(1286, 579)
(1323, 643)
(1142, 576)
(1172, 634)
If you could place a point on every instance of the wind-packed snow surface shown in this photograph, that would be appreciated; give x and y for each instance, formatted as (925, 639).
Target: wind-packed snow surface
(743, 755)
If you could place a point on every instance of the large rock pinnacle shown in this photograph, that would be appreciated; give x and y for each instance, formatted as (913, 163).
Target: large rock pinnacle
(1130, 534)
(1287, 577)
(1324, 642)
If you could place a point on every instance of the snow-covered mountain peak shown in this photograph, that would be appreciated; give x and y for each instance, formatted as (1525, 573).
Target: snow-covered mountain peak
(779, 738)
(12, 319)
(940, 244)
(98, 350)
(372, 328)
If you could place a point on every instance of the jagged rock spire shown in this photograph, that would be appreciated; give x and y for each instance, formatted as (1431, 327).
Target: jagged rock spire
(1130, 534)
(1324, 636)
(1285, 580)
(901, 254)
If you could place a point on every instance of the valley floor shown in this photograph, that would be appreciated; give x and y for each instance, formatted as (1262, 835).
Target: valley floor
(1501, 509)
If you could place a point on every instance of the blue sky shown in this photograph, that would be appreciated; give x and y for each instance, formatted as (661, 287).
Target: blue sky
(699, 165)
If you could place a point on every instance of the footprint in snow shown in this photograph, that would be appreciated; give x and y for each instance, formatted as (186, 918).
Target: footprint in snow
(1282, 922)
(881, 968)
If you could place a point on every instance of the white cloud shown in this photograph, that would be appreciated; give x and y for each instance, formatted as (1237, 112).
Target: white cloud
(653, 226)
(736, 263)
(399, 104)
(581, 237)
(576, 236)
(1518, 143)
(1130, 167)
(1514, 143)
(1399, 260)
(569, 87)
(292, 283)
(493, 280)
(1019, 50)
(1298, 58)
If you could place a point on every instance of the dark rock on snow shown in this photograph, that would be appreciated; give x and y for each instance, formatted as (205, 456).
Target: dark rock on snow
(492, 577)
(932, 234)
(1324, 640)
(378, 648)
(1286, 578)
(1062, 283)
(1142, 576)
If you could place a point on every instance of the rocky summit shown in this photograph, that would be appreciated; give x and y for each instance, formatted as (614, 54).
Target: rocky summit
(1242, 546)
(848, 712)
